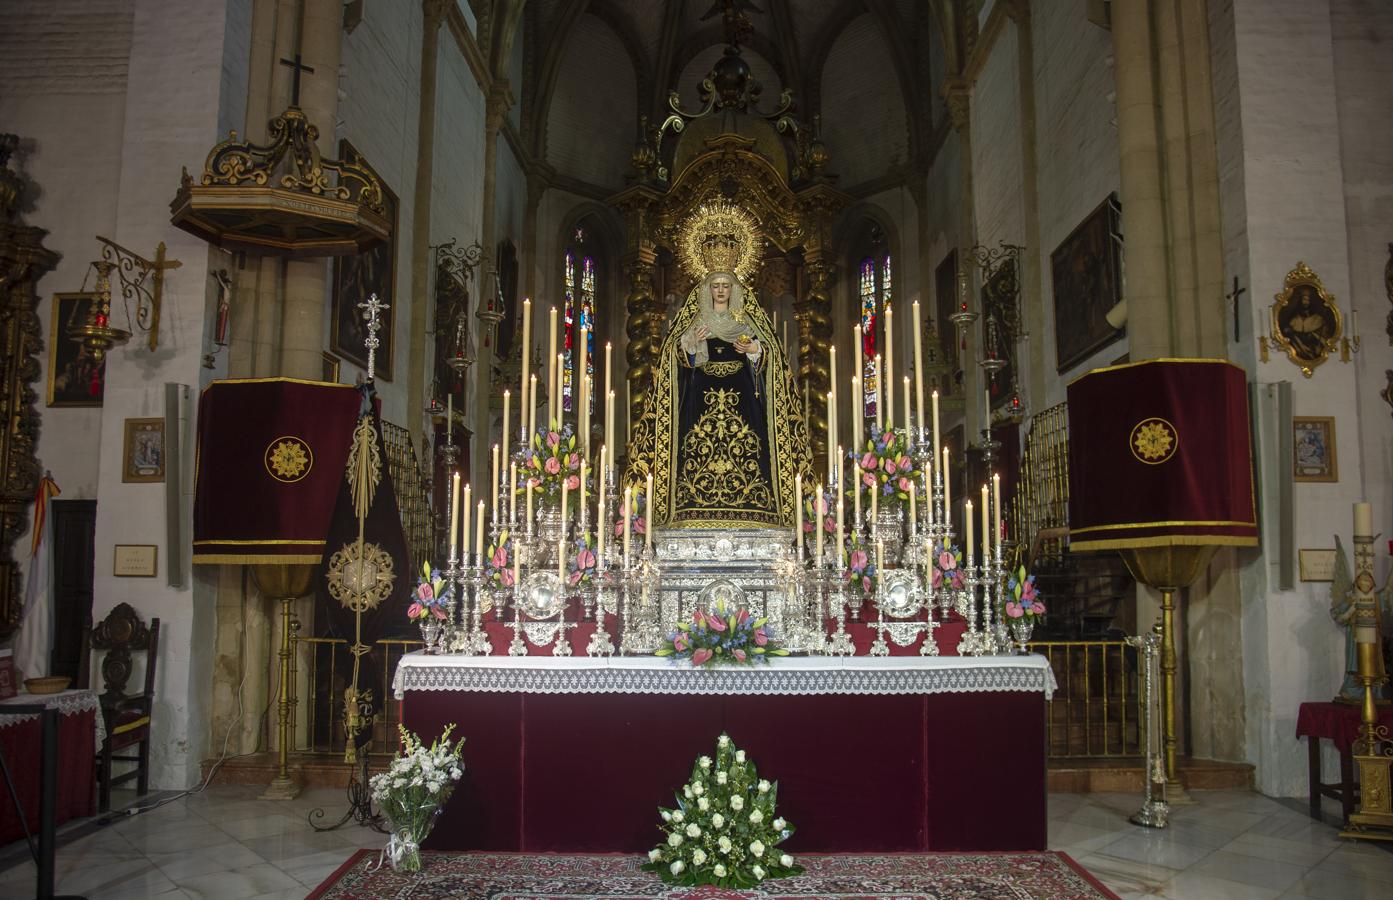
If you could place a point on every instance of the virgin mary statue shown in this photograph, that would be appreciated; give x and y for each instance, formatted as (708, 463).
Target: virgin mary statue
(722, 434)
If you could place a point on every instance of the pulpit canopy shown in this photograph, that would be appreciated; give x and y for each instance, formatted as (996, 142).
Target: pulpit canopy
(271, 456)
(1160, 455)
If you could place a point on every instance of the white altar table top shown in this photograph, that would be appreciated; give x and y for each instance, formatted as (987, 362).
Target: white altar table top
(784, 675)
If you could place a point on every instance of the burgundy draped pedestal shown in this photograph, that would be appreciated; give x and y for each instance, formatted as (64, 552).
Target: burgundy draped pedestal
(912, 759)
(21, 742)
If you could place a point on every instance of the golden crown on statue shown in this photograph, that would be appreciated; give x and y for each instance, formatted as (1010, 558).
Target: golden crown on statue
(721, 237)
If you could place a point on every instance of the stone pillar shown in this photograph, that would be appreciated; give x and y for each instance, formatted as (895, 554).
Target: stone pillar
(1033, 367)
(500, 98)
(434, 15)
(1147, 286)
(958, 94)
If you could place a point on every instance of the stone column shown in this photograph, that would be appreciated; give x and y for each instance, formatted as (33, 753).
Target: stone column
(1147, 287)
(434, 15)
(500, 98)
(1032, 369)
(958, 94)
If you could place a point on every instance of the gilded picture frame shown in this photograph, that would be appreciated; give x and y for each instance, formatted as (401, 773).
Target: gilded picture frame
(356, 278)
(71, 368)
(1306, 322)
(142, 451)
(1314, 457)
(1086, 280)
(329, 367)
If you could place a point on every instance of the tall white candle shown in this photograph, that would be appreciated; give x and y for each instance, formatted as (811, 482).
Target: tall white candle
(880, 392)
(526, 346)
(929, 496)
(875, 502)
(507, 403)
(918, 368)
(832, 403)
(551, 357)
(841, 512)
(935, 414)
(996, 506)
(564, 489)
(947, 497)
(583, 398)
(609, 419)
(856, 490)
(558, 404)
(831, 433)
(625, 514)
(493, 504)
(454, 514)
(798, 513)
(986, 526)
(648, 517)
(479, 532)
(858, 413)
(531, 407)
(464, 514)
(889, 379)
(601, 526)
(584, 510)
(906, 404)
(1364, 519)
(860, 368)
(967, 519)
(512, 493)
(913, 512)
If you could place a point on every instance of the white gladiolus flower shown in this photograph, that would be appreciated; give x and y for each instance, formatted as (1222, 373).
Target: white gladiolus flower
(739, 756)
(737, 803)
(718, 820)
(693, 830)
(655, 854)
(698, 856)
(704, 762)
(779, 823)
(763, 786)
(433, 788)
(786, 861)
(455, 774)
(674, 840)
(667, 816)
(677, 867)
(757, 848)
(725, 844)
(703, 804)
(756, 817)
(677, 816)
(758, 871)
(721, 778)
(719, 871)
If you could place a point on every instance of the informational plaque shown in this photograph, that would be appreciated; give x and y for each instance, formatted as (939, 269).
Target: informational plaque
(1317, 565)
(135, 560)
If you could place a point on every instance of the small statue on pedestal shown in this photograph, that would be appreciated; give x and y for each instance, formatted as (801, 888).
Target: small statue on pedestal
(1342, 611)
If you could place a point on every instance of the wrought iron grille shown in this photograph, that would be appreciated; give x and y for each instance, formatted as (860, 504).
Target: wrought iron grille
(1042, 499)
(1097, 708)
(413, 489)
(316, 719)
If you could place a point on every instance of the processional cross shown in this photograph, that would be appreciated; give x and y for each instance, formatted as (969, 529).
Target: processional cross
(371, 307)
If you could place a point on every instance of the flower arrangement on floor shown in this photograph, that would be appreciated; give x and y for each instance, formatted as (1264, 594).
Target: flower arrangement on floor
(861, 574)
(886, 466)
(725, 829)
(412, 791)
(552, 458)
(722, 634)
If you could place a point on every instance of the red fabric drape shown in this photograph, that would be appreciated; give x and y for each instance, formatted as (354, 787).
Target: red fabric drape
(21, 743)
(1336, 722)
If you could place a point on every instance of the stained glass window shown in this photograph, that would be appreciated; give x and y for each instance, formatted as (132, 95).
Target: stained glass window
(580, 313)
(870, 312)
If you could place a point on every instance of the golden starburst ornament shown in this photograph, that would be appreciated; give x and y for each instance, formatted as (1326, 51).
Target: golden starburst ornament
(721, 237)
(1153, 441)
(289, 459)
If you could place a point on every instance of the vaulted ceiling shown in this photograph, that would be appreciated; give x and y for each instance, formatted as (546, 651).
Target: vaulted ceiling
(590, 68)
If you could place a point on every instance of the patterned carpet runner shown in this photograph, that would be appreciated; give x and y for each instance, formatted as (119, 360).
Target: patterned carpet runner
(521, 876)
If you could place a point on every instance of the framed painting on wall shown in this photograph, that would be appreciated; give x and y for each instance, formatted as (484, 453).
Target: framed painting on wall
(1313, 449)
(360, 276)
(142, 451)
(75, 377)
(1086, 272)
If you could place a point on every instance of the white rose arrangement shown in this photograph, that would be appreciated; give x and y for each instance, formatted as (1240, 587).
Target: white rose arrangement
(413, 789)
(724, 830)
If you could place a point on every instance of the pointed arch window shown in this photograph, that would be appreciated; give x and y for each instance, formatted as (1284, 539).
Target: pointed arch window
(578, 282)
(875, 289)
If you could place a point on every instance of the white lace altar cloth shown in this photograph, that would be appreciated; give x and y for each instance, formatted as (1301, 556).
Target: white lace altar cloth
(68, 703)
(791, 675)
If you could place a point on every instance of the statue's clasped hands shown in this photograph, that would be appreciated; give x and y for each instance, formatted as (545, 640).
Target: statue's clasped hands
(747, 345)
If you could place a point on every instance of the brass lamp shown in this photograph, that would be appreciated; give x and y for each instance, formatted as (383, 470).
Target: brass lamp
(285, 582)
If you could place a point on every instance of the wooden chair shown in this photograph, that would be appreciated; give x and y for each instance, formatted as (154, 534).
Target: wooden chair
(127, 716)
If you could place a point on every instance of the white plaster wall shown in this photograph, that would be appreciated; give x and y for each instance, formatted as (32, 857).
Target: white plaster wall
(996, 145)
(590, 135)
(379, 113)
(863, 114)
(1076, 152)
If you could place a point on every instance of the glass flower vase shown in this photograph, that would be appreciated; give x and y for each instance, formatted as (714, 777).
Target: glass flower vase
(1020, 630)
(430, 634)
(404, 846)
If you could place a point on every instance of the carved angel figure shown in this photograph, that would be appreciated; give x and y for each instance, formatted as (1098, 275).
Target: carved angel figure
(1342, 611)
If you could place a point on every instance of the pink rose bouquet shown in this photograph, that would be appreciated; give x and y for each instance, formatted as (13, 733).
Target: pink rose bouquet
(722, 634)
(430, 596)
(1022, 597)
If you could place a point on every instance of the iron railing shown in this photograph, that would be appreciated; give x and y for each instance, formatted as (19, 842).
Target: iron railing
(329, 671)
(1096, 710)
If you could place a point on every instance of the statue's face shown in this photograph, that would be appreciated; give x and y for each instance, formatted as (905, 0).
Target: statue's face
(720, 290)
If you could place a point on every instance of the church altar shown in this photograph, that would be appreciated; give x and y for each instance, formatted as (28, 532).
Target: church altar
(872, 754)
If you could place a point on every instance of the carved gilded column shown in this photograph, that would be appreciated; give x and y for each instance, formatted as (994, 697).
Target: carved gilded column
(814, 314)
(644, 315)
(23, 259)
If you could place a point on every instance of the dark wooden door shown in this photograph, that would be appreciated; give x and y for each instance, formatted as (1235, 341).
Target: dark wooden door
(74, 526)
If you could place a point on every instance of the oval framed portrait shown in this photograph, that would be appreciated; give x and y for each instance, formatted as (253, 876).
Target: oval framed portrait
(1306, 323)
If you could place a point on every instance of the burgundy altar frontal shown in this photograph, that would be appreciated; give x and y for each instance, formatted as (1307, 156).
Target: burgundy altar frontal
(586, 772)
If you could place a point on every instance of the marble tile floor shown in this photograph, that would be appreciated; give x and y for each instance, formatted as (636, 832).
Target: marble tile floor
(225, 843)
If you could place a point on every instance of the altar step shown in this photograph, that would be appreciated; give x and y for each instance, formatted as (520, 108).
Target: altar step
(308, 769)
(1086, 776)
